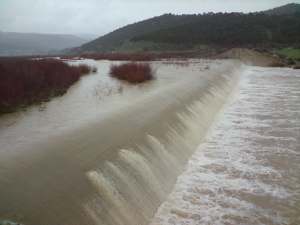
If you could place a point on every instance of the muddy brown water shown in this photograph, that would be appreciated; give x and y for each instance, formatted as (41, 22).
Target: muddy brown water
(108, 153)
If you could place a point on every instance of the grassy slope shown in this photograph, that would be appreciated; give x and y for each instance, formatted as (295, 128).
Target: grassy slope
(252, 57)
(284, 10)
(291, 53)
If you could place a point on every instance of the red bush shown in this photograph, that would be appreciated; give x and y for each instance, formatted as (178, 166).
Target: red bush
(132, 72)
(24, 81)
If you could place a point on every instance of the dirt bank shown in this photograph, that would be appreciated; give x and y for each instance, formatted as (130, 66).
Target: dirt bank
(253, 58)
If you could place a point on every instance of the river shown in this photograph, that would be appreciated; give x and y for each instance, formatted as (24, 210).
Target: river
(109, 153)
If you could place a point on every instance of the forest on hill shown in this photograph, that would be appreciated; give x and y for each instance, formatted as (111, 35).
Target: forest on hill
(232, 29)
(275, 28)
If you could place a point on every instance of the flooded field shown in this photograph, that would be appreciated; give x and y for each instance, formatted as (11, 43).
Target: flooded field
(91, 99)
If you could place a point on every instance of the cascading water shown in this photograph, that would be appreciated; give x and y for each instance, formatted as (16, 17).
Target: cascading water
(132, 185)
(247, 171)
(118, 170)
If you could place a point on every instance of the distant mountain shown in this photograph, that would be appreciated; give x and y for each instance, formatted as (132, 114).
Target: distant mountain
(288, 9)
(279, 26)
(15, 44)
(87, 36)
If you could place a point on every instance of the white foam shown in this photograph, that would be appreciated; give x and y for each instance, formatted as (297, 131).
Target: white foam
(248, 170)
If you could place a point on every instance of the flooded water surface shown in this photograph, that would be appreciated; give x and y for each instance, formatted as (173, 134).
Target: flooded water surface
(206, 142)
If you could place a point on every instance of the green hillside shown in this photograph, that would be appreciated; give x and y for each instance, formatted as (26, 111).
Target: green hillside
(276, 28)
(290, 53)
(233, 29)
(288, 9)
(115, 40)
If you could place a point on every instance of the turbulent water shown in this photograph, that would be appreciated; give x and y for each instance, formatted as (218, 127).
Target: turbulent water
(107, 153)
(248, 170)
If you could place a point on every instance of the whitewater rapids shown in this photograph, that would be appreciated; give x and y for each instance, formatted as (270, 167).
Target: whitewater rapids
(247, 171)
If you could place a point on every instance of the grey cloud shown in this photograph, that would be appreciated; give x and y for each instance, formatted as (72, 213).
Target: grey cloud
(102, 16)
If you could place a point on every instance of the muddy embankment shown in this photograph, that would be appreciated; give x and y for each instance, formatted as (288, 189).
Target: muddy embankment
(253, 58)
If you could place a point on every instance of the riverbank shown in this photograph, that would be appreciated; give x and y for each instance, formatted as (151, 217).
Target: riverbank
(253, 57)
(249, 56)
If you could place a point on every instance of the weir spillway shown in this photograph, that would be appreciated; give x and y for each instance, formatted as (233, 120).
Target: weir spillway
(247, 171)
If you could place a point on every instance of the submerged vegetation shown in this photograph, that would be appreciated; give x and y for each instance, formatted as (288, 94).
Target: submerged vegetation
(132, 72)
(25, 82)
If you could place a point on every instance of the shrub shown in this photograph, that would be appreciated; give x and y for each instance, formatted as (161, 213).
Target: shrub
(290, 62)
(276, 64)
(296, 67)
(132, 72)
(24, 81)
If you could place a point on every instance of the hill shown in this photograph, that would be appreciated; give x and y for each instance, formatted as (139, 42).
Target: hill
(231, 30)
(276, 27)
(114, 40)
(288, 9)
(14, 44)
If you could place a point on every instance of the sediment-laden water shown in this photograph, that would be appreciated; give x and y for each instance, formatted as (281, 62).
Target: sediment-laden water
(248, 170)
(108, 157)
(108, 153)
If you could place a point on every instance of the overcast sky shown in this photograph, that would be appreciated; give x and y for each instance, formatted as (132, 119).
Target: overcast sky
(102, 16)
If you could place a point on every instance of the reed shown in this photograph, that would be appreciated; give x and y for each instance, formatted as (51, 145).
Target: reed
(25, 81)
